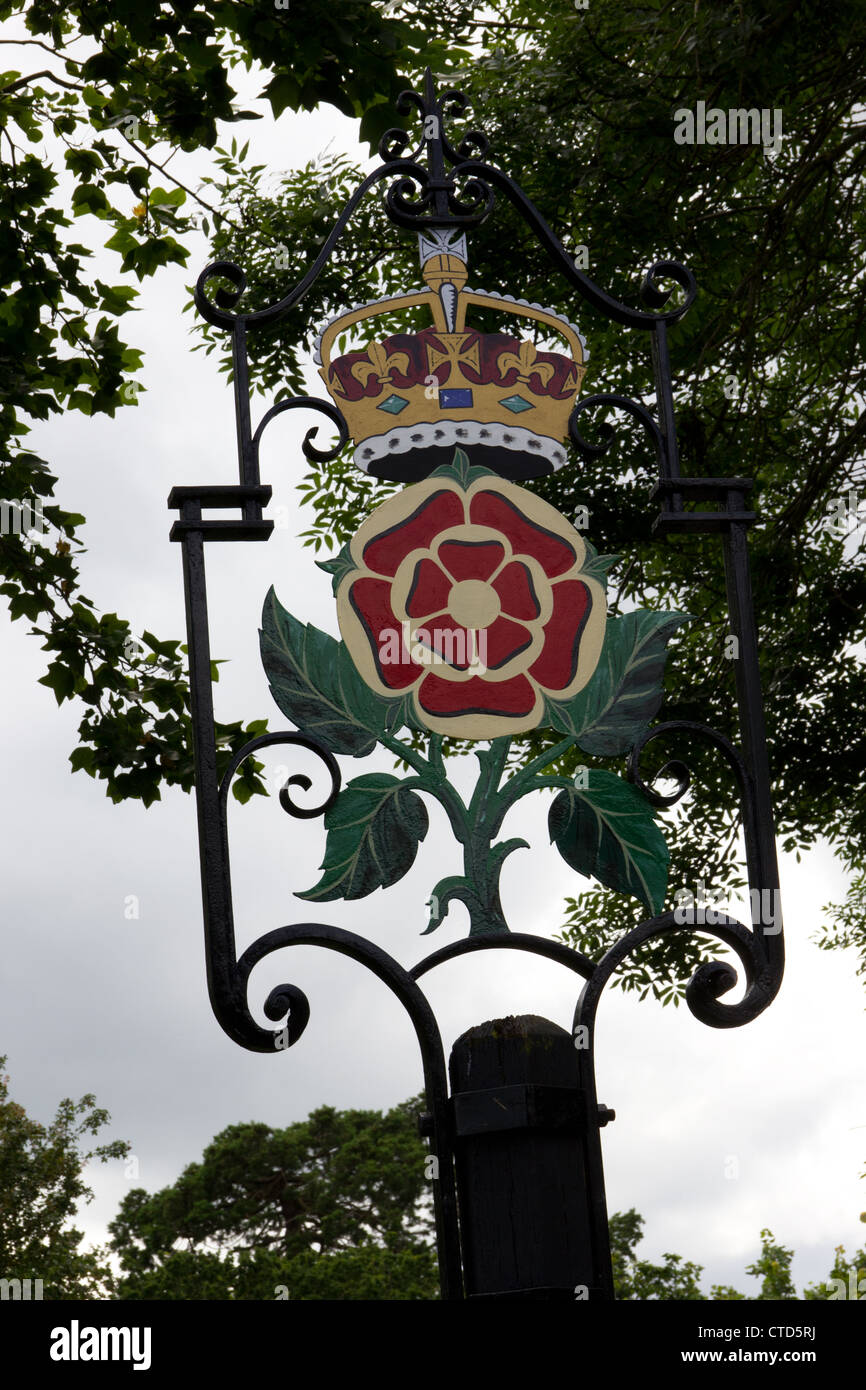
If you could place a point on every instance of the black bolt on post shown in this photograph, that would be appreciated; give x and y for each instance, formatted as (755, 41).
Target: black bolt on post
(519, 1197)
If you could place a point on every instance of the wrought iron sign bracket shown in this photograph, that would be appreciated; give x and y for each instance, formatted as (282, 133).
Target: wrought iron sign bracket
(729, 492)
(191, 501)
(470, 454)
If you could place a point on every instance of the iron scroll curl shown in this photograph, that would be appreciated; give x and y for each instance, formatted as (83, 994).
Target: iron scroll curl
(299, 779)
(759, 950)
(606, 430)
(334, 414)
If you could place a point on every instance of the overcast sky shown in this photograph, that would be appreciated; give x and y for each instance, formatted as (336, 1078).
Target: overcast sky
(94, 1002)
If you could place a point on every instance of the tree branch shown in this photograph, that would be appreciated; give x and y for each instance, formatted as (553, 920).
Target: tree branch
(34, 76)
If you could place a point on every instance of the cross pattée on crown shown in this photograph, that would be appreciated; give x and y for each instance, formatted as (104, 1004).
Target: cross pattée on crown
(443, 256)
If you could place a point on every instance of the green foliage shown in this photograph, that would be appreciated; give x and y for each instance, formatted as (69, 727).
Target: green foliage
(126, 91)
(368, 1272)
(41, 1184)
(677, 1278)
(374, 829)
(610, 713)
(607, 831)
(334, 1207)
(847, 1278)
(773, 1268)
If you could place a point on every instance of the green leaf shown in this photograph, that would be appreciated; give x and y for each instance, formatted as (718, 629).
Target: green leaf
(115, 299)
(282, 91)
(374, 829)
(462, 470)
(138, 179)
(339, 567)
(167, 649)
(596, 566)
(61, 679)
(121, 241)
(611, 712)
(315, 683)
(88, 197)
(606, 831)
(82, 162)
(455, 886)
(171, 197)
(83, 760)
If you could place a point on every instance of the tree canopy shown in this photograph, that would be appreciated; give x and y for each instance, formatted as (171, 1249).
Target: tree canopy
(336, 1206)
(41, 1185)
(124, 92)
(679, 1279)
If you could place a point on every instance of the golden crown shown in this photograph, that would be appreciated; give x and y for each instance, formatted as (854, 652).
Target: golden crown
(410, 398)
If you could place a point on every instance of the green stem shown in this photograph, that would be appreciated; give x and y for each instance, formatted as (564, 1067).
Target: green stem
(477, 825)
(485, 817)
(543, 760)
(431, 779)
(542, 782)
(435, 746)
(491, 761)
(502, 747)
(527, 780)
(406, 753)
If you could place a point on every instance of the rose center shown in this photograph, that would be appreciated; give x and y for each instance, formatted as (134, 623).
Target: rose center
(474, 604)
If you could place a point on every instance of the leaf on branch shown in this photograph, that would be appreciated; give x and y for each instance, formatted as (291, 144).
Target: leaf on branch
(374, 829)
(596, 566)
(499, 853)
(455, 886)
(607, 831)
(461, 469)
(610, 714)
(316, 685)
(339, 567)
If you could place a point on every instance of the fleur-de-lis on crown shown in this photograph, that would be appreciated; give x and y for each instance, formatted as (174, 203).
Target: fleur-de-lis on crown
(526, 362)
(382, 363)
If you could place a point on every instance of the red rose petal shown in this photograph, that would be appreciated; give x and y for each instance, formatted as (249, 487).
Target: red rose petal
(471, 559)
(371, 600)
(514, 698)
(429, 591)
(385, 552)
(553, 553)
(502, 640)
(517, 592)
(557, 665)
(450, 642)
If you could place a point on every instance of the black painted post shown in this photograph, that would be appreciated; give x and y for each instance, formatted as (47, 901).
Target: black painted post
(530, 1191)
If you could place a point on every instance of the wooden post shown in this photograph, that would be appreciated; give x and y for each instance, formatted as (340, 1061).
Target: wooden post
(529, 1178)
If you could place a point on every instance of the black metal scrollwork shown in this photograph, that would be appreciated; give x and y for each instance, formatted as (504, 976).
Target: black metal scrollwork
(431, 197)
(607, 431)
(456, 189)
(215, 310)
(300, 779)
(333, 413)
